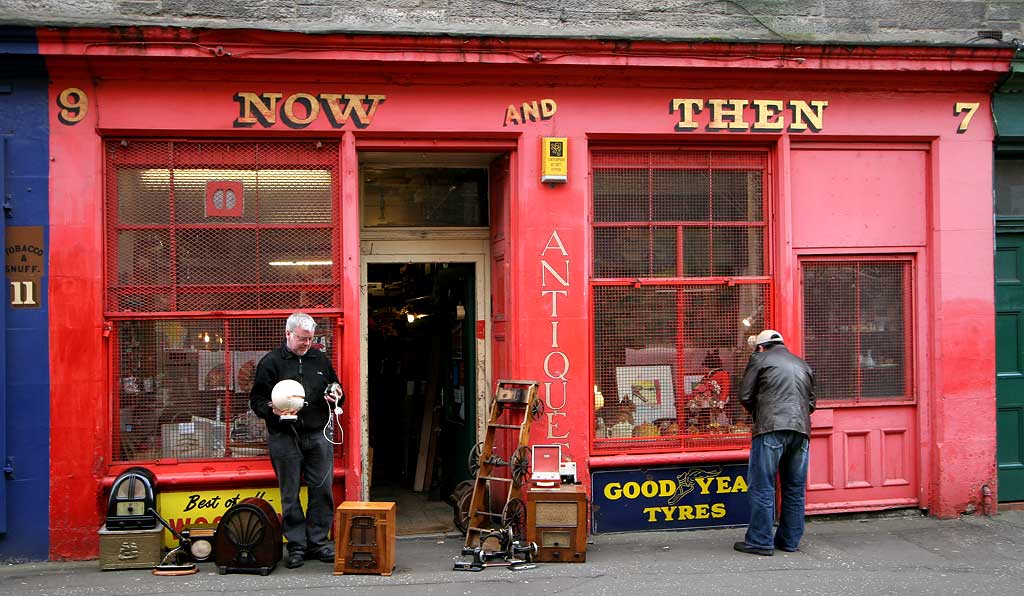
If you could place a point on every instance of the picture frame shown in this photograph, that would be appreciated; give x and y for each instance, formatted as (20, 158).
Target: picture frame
(649, 388)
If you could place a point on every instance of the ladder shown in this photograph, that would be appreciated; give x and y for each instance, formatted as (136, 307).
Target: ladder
(495, 503)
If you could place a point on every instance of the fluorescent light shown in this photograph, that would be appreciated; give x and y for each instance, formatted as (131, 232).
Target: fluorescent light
(299, 263)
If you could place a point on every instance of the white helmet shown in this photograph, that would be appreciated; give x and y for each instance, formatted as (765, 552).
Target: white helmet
(288, 395)
(768, 336)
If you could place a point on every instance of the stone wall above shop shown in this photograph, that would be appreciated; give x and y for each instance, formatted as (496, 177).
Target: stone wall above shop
(817, 21)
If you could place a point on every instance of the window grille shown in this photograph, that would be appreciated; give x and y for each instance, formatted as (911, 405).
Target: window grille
(858, 329)
(195, 228)
(265, 241)
(679, 282)
(183, 389)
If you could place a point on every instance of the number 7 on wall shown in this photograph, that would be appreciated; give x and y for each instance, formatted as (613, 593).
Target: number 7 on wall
(965, 106)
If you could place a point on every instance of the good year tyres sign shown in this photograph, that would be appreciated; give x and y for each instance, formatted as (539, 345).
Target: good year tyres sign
(670, 498)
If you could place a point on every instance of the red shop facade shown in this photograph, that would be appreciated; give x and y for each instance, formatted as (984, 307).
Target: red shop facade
(612, 220)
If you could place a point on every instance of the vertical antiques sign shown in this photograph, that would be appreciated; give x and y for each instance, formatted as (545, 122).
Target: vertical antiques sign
(671, 498)
(26, 263)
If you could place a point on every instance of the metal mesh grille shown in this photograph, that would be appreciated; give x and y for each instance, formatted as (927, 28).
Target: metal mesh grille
(195, 226)
(669, 354)
(183, 386)
(668, 360)
(857, 325)
(679, 214)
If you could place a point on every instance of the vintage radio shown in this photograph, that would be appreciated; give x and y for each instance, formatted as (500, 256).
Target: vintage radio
(131, 500)
(248, 538)
(364, 535)
(556, 520)
(199, 542)
(130, 549)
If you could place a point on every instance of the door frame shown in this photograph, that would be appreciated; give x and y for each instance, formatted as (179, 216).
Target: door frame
(425, 245)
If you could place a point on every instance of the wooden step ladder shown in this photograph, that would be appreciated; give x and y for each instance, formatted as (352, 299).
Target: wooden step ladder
(513, 407)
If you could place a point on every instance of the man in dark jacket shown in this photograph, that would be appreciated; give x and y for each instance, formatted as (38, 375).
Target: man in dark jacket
(300, 447)
(778, 391)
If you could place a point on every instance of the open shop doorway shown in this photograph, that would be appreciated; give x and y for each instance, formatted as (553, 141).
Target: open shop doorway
(421, 387)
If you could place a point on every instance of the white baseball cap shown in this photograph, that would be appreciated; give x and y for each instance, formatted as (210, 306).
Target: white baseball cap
(768, 336)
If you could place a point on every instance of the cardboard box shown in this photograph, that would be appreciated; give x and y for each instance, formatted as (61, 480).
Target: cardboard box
(199, 438)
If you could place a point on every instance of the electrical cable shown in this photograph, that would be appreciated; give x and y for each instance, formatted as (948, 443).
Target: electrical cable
(334, 413)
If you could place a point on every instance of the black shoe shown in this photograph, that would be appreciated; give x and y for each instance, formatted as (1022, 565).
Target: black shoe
(743, 547)
(295, 559)
(788, 550)
(326, 554)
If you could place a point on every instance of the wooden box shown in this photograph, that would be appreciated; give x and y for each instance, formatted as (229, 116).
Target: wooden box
(130, 549)
(364, 537)
(556, 519)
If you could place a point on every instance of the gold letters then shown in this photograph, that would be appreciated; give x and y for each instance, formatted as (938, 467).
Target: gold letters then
(729, 114)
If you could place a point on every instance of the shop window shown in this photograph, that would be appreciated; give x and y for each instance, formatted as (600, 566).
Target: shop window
(858, 328)
(195, 228)
(679, 281)
(1009, 186)
(403, 196)
(183, 386)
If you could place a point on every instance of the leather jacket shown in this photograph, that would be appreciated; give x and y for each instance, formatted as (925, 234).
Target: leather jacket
(778, 391)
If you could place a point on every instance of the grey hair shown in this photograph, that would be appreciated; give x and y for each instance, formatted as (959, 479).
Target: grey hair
(300, 320)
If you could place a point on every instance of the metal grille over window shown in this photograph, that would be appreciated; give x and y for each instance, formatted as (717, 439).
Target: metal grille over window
(679, 283)
(857, 325)
(193, 228)
(183, 390)
(221, 226)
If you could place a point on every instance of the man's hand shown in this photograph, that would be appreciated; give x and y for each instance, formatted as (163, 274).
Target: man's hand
(334, 393)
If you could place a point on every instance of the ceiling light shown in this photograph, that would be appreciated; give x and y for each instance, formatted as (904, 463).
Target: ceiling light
(299, 263)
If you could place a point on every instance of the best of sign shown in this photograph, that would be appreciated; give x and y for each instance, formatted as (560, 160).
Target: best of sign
(205, 508)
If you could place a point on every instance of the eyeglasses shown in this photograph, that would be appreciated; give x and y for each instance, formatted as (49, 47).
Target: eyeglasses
(302, 338)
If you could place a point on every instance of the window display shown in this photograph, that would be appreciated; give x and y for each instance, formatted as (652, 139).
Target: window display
(679, 281)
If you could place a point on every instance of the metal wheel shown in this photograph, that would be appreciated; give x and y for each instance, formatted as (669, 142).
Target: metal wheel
(537, 409)
(461, 499)
(520, 464)
(473, 463)
(514, 518)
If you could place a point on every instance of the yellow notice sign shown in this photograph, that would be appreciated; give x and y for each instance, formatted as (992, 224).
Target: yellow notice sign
(206, 507)
(554, 166)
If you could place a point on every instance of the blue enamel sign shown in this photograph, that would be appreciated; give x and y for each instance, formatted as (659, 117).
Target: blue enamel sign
(670, 498)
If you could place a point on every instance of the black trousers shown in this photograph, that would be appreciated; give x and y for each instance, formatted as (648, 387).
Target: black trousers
(307, 455)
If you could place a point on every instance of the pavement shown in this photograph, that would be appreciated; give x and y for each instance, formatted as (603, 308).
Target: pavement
(894, 553)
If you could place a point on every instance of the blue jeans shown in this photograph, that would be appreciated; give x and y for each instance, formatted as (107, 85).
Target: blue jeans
(783, 452)
(308, 455)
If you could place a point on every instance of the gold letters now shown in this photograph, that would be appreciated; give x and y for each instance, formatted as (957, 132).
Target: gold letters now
(769, 114)
(299, 110)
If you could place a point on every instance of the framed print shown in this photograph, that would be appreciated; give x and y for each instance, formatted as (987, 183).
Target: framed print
(650, 390)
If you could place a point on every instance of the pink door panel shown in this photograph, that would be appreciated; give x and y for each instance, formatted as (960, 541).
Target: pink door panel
(862, 458)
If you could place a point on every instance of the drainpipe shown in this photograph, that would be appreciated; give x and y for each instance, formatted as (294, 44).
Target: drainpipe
(986, 500)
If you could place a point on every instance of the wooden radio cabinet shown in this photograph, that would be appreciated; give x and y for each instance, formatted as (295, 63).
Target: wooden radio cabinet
(364, 537)
(556, 519)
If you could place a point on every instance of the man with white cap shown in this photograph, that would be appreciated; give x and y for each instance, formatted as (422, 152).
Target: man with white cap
(778, 391)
